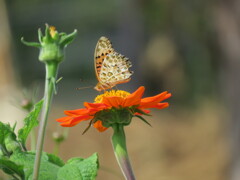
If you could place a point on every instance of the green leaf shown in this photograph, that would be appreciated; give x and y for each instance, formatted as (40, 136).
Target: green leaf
(67, 39)
(29, 123)
(48, 170)
(5, 130)
(11, 168)
(55, 160)
(33, 44)
(79, 169)
(141, 112)
(8, 141)
(144, 120)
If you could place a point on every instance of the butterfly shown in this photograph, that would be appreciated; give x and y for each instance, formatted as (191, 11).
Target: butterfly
(111, 67)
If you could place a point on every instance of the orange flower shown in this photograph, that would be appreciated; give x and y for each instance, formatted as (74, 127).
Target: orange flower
(115, 106)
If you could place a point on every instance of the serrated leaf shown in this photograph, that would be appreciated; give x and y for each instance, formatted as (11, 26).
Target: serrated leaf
(144, 120)
(5, 131)
(55, 160)
(8, 141)
(79, 169)
(11, 168)
(29, 123)
(48, 170)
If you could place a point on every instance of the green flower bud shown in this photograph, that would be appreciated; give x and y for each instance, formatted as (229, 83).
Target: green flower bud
(58, 138)
(52, 44)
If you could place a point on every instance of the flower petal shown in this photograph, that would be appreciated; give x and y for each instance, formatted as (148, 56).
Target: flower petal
(144, 110)
(113, 101)
(98, 106)
(64, 119)
(161, 105)
(72, 121)
(76, 112)
(98, 125)
(154, 100)
(134, 98)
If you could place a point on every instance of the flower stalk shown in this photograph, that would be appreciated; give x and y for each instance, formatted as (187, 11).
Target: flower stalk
(51, 73)
(120, 151)
(52, 46)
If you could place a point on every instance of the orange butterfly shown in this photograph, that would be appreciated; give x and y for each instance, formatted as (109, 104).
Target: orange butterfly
(111, 67)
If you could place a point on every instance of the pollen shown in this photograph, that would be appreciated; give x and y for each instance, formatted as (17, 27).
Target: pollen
(52, 31)
(112, 93)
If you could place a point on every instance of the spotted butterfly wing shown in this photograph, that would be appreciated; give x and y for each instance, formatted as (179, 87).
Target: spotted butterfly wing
(111, 67)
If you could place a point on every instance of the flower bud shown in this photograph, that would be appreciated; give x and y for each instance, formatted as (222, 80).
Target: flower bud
(52, 44)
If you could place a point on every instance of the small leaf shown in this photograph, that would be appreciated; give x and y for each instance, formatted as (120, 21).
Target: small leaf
(5, 131)
(141, 112)
(67, 39)
(79, 169)
(8, 141)
(11, 168)
(87, 128)
(55, 160)
(33, 44)
(47, 33)
(59, 79)
(29, 123)
(40, 35)
(144, 120)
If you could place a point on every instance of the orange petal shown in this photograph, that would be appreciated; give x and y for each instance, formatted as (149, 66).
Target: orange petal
(98, 125)
(98, 106)
(144, 110)
(75, 120)
(76, 112)
(64, 119)
(152, 101)
(134, 98)
(161, 105)
(113, 101)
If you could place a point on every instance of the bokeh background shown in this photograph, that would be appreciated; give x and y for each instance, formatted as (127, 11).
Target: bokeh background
(190, 48)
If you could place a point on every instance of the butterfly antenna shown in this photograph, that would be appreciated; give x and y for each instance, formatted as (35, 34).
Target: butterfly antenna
(84, 87)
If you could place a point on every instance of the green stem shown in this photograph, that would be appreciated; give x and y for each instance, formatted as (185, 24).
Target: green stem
(56, 148)
(120, 150)
(51, 73)
(33, 140)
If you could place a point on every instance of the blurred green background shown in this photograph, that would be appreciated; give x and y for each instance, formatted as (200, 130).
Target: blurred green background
(190, 48)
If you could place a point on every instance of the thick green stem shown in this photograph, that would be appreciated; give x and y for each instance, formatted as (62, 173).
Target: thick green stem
(120, 150)
(51, 73)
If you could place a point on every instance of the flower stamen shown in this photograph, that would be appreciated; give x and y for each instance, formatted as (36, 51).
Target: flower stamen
(112, 93)
(52, 31)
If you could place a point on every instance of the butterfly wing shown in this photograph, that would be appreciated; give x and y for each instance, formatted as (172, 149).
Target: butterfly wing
(103, 48)
(111, 67)
(115, 69)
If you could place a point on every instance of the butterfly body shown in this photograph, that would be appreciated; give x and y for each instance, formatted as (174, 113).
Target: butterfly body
(111, 68)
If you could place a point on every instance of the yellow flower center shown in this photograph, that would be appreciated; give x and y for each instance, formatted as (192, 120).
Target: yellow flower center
(118, 93)
(52, 31)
